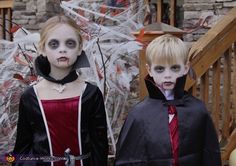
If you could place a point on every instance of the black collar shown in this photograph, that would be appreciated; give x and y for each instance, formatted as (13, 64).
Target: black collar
(155, 92)
(42, 67)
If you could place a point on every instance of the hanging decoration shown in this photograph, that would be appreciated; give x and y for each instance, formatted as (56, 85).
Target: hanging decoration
(113, 55)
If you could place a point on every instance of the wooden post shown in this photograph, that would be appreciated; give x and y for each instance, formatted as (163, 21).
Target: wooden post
(234, 80)
(159, 10)
(216, 94)
(9, 24)
(204, 86)
(1, 23)
(5, 21)
(172, 12)
(142, 73)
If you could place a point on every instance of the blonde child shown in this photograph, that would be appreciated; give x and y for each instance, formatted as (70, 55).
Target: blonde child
(169, 127)
(62, 118)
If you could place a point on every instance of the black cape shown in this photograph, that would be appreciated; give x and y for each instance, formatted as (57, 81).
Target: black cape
(145, 141)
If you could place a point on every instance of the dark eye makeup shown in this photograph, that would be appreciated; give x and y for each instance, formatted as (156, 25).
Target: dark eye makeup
(175, 68)
(53, 44)
(159, 69)
(70, 43)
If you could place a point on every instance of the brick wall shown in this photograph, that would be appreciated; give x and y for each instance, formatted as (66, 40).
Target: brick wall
(197, 18)
(32, 13)
(201, 15)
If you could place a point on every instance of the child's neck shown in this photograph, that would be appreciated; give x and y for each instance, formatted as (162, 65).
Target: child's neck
(59, 74)
(169, 94)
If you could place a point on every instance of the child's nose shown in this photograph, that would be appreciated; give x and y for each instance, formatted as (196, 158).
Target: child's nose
(62, 49)
(167, 74)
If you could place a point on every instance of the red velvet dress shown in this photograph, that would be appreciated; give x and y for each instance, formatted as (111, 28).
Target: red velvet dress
(62, 117)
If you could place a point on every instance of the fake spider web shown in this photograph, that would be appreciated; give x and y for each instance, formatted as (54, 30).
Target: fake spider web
(113, 55)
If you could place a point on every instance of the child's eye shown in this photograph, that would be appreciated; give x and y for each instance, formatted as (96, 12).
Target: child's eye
(159, 69)
(71, 43)
(175, 68)
(53, 44)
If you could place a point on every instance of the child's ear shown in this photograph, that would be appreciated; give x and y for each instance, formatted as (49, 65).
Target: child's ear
(186, 68)
(149, 69)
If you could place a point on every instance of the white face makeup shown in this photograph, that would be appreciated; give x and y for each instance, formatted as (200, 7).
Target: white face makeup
(62, 47)
(165, 76)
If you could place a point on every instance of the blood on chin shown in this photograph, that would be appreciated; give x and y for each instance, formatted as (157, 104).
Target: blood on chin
(62, 63)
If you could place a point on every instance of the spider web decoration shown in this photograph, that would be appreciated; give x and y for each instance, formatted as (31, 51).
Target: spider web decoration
(16, 73)
(113, 53)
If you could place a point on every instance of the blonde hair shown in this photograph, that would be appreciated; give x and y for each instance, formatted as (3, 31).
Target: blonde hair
(166, 49)
(52, 23)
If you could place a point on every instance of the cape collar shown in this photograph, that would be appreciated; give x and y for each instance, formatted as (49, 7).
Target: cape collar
(42, 67)
(155, 92)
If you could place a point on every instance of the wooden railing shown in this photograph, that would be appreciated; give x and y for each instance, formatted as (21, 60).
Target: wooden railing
(214, 61)
(5, 19)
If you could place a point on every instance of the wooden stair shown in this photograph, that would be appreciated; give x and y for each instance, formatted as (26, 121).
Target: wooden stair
(213, 57)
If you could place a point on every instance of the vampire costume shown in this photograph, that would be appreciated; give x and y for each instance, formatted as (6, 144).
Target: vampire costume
(148, 139)
(54, 129)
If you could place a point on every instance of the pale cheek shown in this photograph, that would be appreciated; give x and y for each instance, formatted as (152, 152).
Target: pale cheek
(159, 76)
(49, 51)
(74, 51)
(175, 76)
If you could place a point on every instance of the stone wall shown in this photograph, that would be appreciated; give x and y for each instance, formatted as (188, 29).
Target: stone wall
(201, 15)
(32, 13)
(197, 18)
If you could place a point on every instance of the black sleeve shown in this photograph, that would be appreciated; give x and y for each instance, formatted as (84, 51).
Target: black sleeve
(130, 148)
(211, 154)
(98, 130)
(24, 134)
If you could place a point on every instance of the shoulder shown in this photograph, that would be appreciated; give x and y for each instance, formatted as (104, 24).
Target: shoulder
(146, 103)
(146, 107)
(28, 92)
(194, 100)
(195, 104)
(91, 90)
(27, 97)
